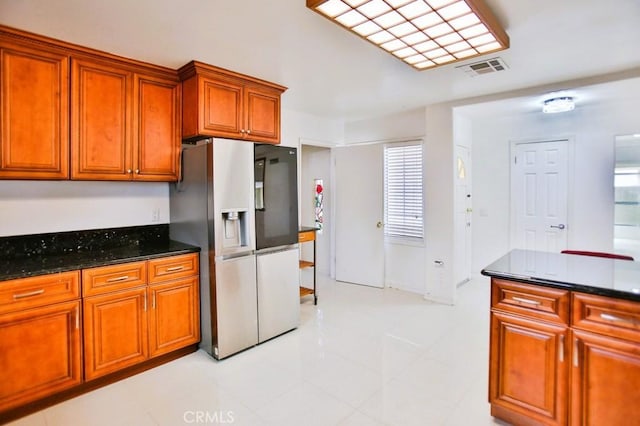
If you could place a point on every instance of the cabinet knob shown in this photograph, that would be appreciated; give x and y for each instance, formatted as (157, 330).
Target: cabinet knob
(129, 171)
(248, 131)
(137, 171)
(242, 131)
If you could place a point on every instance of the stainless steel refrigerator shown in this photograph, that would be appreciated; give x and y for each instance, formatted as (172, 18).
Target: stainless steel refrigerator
(242, 297)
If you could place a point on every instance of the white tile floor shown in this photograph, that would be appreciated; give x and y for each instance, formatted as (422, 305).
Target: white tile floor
(363, 356)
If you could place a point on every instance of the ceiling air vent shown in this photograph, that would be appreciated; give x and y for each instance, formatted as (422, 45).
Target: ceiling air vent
(484, 67)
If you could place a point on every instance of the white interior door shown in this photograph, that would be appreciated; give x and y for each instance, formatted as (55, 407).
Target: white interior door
(463, 214)
(539, 188)
(358, 214)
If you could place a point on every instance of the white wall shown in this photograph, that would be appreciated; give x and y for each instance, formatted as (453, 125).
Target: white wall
(297, 126)
(33, 207)
(439, 197)
(593, 127)
(408, 124)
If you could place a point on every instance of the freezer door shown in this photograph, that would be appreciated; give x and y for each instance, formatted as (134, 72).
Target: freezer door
(278, 293)
(276, 192)
(235, 305)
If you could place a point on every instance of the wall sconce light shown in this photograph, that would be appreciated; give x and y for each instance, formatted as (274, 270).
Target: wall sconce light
(422, 33)
(559, 104)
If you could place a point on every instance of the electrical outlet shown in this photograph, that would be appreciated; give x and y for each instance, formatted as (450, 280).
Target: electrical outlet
(155, 215)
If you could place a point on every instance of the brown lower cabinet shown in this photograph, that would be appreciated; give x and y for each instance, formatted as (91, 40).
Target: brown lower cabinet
(130, 321)
(40, 339)
(57, 334)
(563, 358)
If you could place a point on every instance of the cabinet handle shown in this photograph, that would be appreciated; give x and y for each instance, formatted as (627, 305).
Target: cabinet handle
(153, 300)
(122, 278)
(77, 320)
(29, 294)
(145, 302)
(609, 317)
(561, 355)
(175, 268)
(575, 352)
(527, 301)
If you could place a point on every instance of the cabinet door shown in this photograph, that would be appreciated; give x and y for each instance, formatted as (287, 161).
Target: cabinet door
(115, 331)
(34, 142)
(174, 317)
(39, 352)
(605, 377)
(100, 121)
(157, 129)
(221, 108)
(528, 370)
(263, 115)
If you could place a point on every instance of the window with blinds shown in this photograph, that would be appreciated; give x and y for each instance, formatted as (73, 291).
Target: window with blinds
(403, 190)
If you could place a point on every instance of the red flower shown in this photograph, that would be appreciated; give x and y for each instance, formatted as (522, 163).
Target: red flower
(318, 189)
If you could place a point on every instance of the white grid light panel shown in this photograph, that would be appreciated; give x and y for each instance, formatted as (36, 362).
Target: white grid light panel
(422, 33)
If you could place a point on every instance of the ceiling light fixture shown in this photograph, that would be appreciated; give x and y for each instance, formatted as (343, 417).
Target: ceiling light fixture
(422, 33)
(561, 104)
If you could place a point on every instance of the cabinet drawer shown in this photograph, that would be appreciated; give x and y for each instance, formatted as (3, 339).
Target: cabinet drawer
(604, 315)
(530, 300)
(170, 268)
(30, 292)
(106, 279)
(306, 236)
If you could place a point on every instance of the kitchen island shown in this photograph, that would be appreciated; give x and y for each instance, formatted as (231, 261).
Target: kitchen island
(565, 339)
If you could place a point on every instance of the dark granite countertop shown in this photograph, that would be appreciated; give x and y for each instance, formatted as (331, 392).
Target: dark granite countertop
(587, 274)
(31, 255)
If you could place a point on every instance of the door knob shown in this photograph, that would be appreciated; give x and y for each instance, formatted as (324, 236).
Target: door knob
(379, 225)
(561, 226)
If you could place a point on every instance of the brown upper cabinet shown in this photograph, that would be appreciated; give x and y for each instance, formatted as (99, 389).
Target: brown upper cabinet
(124, 124)
(34, 118)
(72, 112)
(222, 103)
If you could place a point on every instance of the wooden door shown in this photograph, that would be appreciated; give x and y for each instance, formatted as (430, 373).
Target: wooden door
(101, 122)
(115, 331)
(174, 317)
(157, 129)
(221, 108)
(39, 352)
(262, 115)
(528, 370)
(34, 116)
(604, 384)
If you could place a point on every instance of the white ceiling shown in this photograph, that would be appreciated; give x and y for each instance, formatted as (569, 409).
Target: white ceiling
(331, 72)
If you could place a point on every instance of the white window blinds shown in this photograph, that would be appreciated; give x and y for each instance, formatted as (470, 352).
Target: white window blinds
(403, 190)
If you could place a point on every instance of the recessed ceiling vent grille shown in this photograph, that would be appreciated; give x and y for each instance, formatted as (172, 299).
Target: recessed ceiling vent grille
(484, 67)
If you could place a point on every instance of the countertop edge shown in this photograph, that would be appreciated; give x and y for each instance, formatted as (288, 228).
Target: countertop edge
(582, 288)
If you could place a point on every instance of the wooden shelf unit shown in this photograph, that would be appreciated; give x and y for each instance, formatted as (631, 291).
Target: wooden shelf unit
(304, 236)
